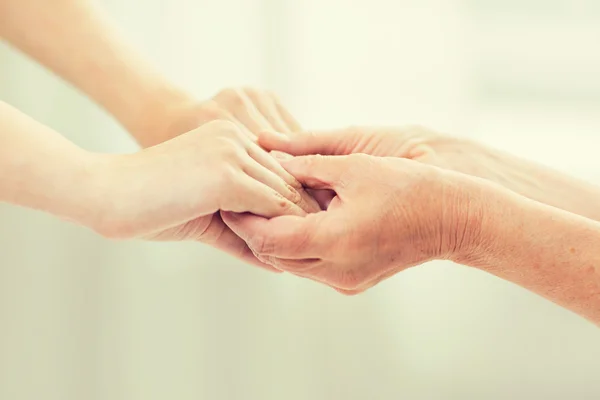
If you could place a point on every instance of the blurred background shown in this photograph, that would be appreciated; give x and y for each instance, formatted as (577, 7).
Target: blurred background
(85, 318)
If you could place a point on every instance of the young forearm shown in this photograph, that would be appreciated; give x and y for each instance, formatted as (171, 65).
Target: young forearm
(40, 169)
(76, 40)
(553, 253)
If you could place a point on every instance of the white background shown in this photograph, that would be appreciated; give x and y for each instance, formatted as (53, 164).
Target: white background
(86, 318)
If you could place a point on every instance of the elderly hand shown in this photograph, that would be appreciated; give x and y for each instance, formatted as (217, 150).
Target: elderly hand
(173, 191)
(524, 177)
(388, 214)
(413, 142)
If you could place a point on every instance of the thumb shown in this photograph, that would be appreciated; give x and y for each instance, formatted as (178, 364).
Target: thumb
(303, 143)
(318, 172)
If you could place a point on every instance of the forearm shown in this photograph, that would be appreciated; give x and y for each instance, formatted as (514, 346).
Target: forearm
(77, 41)
(574, 195)
(551, 252)
(42, 170)
(546, 185)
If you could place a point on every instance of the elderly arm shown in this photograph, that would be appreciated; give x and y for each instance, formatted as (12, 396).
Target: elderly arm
(390, 214)
(553, 253)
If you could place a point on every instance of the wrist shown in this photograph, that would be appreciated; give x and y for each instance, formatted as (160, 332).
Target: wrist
(111, 195)
(501, 219)
(152, 121)
(69, 189)
(487, 208)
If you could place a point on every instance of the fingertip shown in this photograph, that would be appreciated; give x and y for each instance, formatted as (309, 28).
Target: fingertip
(273, 140)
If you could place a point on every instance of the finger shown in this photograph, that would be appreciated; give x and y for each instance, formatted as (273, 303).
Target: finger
(318, 172)
(264, 175)
(215, 234)
(222, 237)
(253, 138)
(294, 266)
(337, 142)
(260, 199)
(242, 108)
(268, 109)
(289, 236)
(291, 122)
(301, 197)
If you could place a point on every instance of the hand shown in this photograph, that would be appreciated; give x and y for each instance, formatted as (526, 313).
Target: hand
(173, 191)
(388, 214)
(416, 143)
(251, 109)
(524, 177)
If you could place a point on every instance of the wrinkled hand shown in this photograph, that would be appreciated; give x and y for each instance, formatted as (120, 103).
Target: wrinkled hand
(174, 191)
(427, 146)
(388, 214)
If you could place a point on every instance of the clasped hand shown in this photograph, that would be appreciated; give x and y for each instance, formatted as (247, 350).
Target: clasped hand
(383, 205)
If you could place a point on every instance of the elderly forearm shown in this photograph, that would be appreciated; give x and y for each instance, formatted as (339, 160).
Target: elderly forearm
(551, 252)
(560, 190)
(42, 170)
(77, 41)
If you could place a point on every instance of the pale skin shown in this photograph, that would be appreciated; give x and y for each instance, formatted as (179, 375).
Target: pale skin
(217, 166)
(389, 213)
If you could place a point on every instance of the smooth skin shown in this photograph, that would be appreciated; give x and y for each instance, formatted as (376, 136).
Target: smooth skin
(216, 166)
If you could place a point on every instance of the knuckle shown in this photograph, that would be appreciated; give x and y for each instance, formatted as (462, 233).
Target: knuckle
(252, 93)
(222, 126)
(230, 97)
(262, 245)
(295, 196)
(307, 136)
(274, 96)
(228, 129)
(232, 154)
(349, 280)
(213, 111)
(313, 160)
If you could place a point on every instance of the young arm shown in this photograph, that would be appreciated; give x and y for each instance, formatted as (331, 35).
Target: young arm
(40, 169)
(146, 194)
(77, 41)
